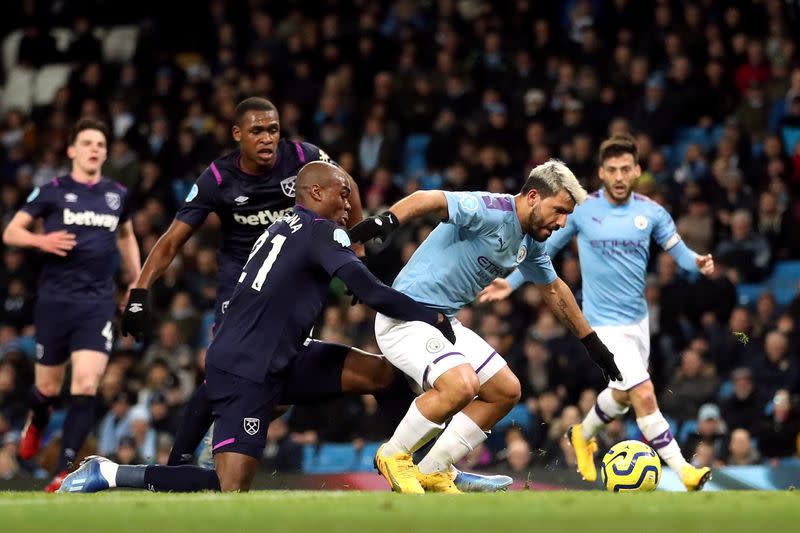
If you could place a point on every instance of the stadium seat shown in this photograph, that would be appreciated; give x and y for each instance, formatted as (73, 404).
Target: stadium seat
(48, 80)
(366, 457)
(688, 427)
(518, 416)
(11, 49)
(309, 457)
(63, 38)
(18, 92)
(119, 44)
(747, 293)
(334, 457)
(414, 154)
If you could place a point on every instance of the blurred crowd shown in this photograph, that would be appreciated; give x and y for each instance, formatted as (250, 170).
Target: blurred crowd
(460, 95)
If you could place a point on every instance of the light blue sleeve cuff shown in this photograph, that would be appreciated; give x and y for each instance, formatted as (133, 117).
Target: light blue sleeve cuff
(516, 279)
(685, 258)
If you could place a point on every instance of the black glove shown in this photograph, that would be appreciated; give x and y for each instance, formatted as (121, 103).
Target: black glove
(446, 329)
(136, 318)
(601, 356)
(378, 227)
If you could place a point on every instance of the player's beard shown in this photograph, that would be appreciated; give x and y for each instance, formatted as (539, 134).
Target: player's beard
(536, 225)
(624, 197)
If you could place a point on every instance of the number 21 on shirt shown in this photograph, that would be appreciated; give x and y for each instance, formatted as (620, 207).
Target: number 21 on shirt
(277, 243)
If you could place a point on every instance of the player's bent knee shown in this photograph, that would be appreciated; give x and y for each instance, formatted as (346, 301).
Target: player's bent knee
(49, 389)
(644, 398)
(510, 391)
(84, 386)
(460, 386)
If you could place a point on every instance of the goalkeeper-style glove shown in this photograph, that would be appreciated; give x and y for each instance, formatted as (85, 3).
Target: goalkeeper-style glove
(136, 317)
(601, 356)
(378, 227)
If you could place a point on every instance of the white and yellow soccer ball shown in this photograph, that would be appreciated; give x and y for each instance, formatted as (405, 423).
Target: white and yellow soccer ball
(631, 466)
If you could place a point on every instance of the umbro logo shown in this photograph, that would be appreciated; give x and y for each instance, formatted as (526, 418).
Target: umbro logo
(135, 308)
(71, 197)
(241, 200)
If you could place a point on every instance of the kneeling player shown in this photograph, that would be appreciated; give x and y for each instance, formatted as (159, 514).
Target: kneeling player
(279, 296)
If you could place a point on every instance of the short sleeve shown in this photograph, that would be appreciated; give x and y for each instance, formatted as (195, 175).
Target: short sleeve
(537, 266)
(664, 231)
(39, 202)
(308, 152)
(203, 198)
(331, 244)
(476, 211)
(125, 212)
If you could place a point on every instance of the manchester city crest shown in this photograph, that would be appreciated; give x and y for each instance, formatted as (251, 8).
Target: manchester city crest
(523, 251)
(287, 186)
(113, 200)
(640, 222)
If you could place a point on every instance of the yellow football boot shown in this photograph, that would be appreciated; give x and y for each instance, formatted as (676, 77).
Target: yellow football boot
(694, 478)
(399, 471)
(584, 453)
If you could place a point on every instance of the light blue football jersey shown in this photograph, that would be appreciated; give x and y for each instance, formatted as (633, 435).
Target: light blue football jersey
(481, 240)
(614, 248)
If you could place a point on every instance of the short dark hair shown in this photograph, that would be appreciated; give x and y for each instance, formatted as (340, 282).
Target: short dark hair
(87, 124)
(254, 103)
(618, 145)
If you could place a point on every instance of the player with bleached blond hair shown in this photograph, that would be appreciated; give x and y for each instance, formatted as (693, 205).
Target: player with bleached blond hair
(481, 236)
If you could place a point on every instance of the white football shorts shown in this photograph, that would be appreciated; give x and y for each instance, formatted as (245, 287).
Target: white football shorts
(421, 352)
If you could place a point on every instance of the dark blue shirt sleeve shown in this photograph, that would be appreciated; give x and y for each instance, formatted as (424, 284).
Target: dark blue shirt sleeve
(331, 246)
(40, 202)
(311, 152)
(203, 198)
(382, 298)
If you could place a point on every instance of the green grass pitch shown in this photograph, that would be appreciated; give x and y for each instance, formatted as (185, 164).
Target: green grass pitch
(351, 512)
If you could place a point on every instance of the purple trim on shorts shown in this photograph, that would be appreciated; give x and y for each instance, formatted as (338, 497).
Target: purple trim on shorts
(604, 417)
(300, 153)
(484, 363)
(448, 354)
(216, 173)
(633, 387)
(224, 443)
(498, 202)
(662, 440)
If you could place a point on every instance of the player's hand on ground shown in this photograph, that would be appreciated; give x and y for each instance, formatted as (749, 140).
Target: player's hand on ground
(446, 328)
(57, 242)
(601, 356)
(378, 227)
(136, 317)
(499, 289)
(706, 264)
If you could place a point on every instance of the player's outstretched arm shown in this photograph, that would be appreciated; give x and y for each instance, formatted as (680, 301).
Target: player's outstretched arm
(136, 317)
(17, 234)
(416, 205)
(561, 301)
(388, 301)
(129, 251)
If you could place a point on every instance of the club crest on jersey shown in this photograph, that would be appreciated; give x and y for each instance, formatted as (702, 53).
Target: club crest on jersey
(640, 222)
(341, 236)
(468, 202)
(434, 345)
(325, 158)
(192, 193)
(71, 197)
(252, 425)
(113, 200)
(522, 253)
(287, 186)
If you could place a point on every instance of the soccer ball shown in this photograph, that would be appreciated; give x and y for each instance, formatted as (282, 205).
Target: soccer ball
(631, 466)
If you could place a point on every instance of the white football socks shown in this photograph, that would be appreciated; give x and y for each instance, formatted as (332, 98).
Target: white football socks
(413, 431)
(604, 411)
(655, 429)
(461, 437)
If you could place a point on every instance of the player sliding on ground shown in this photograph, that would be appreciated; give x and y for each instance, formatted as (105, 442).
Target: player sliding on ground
(481, 235)
(249, 365)
(614, 227)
